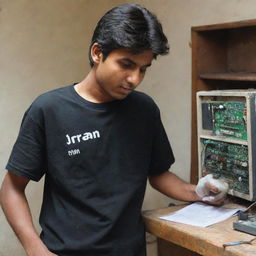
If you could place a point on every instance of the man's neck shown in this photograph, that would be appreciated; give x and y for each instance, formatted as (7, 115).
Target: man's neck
(89, 89)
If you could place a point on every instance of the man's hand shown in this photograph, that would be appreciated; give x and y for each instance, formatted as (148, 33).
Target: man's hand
(40, 251)
(212, 190)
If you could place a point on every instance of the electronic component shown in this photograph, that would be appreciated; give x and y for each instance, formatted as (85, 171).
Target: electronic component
(229, 119)
(247, 226)
(227, 138)
(228, 161)
(246, 221)
(225, 118)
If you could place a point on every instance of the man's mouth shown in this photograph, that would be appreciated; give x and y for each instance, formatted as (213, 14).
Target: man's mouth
(126, 88)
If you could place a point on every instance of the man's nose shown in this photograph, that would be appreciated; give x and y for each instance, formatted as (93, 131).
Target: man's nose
(134, 77)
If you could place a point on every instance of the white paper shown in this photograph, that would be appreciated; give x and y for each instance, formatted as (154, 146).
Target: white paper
(200, 214)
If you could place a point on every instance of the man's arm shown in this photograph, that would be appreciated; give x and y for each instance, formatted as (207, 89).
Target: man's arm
(15, 206)
(174, 187)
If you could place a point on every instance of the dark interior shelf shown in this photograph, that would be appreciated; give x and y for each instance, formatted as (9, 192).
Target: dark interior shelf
(231, 76)
(223, 58)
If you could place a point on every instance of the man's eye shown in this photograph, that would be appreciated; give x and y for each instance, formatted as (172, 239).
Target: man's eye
(124, 65)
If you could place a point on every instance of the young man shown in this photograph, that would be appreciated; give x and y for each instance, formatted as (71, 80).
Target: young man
(96, 142)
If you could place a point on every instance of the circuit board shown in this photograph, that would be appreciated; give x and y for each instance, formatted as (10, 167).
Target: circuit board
(229, 119)
(228, 161)
(226, 130)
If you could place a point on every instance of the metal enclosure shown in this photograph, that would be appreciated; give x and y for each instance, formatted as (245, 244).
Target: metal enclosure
(226, 121)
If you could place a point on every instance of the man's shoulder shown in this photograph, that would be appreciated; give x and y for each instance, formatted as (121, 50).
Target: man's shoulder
(142, 98)
(52, 97)
(49, 101)
(142, 101)
(55, 93)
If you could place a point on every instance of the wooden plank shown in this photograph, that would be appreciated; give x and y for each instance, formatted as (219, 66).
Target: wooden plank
(205, 241)
(194, 156)
(227, 25)
(230, 76)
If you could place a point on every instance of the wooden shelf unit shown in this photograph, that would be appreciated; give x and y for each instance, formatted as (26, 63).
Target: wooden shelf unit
(223, 57)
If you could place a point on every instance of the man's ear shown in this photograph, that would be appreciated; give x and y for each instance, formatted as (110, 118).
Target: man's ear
(96, 53)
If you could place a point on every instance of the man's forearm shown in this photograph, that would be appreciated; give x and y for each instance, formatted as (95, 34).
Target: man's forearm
(17, 212)
(174, 187)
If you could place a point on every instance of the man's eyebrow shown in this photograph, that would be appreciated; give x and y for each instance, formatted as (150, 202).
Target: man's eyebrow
(134, 63)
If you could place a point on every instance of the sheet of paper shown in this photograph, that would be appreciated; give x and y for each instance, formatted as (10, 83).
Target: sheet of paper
(200, 214)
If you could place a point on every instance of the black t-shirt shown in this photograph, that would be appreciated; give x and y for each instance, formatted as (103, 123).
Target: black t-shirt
(96, 158)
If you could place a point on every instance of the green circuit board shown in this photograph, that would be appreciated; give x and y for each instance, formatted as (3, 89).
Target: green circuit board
(227, 160)
(229, 119)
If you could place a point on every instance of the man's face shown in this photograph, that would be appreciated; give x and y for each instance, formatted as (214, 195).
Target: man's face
(121, 72)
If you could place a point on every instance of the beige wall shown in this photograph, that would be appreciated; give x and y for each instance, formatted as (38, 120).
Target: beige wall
(43, 45)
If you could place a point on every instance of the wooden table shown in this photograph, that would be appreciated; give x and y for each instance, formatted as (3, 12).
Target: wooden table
(177, 239)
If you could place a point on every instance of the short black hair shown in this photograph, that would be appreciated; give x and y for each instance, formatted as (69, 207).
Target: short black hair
(129, 26)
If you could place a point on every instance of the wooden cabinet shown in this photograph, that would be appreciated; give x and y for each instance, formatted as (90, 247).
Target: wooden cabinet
(223, 57)
(166, 248)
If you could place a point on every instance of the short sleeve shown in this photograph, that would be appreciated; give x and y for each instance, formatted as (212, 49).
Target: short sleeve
(162, 155)
(27, 158)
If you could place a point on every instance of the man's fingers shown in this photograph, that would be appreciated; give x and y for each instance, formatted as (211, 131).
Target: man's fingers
(211, 188)
(217, 202)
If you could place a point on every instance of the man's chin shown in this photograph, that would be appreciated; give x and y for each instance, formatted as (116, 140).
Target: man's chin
(121, 96)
